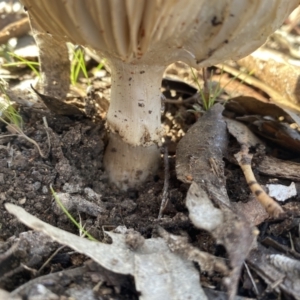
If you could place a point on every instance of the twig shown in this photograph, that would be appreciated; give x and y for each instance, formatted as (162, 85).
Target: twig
(49, 259)
(164, 200)
(16, 29)
(252, 280)
(194, 98)
(244, 160)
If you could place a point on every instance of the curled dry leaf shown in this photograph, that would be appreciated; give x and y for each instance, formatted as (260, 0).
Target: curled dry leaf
(242, 133)
(276, 75)
(200, 159)
(264, 119)
(245, 105)
(159, 273)
(229, 229)
(199, 154)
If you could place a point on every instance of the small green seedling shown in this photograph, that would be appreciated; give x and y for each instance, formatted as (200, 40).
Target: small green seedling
(62, 207)
(210, 93)
(7, 111)
(22, 61)
(12, 119)
(78, 65)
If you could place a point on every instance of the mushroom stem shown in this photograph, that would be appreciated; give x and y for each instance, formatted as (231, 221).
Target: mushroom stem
(128, 166)
(134, 122)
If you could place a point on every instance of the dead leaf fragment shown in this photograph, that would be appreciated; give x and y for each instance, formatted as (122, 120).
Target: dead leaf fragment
(200, 157)
(199, 204)
(157, 271)
(282, 192)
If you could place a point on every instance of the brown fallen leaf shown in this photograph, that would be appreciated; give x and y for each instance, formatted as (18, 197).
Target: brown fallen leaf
(59, 107)
(252, 210)
(282, 77)
(199, 159)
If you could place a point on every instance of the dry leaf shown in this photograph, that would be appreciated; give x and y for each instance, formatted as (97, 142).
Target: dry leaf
(159, 273)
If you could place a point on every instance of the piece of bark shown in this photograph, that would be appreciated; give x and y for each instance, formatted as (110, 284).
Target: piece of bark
(54, 64)
(279, 168)
(199, 155)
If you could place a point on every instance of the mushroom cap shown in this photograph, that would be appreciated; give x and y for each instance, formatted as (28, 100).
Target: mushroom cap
(199, 32)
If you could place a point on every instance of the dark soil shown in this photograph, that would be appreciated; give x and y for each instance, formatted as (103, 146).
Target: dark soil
(73, 163)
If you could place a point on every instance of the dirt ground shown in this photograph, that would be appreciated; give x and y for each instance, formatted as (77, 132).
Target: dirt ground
(73, 163)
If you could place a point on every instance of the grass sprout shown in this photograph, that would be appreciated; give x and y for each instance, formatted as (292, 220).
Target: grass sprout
(100, 65)
(78, 66)
(210, 92)
(62, 207)
(7, 110)
(22, 61)
(12, 119)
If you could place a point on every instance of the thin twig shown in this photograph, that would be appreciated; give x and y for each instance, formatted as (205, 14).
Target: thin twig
(164, 200)
(49, 259)
(193, 98)
(252, 280)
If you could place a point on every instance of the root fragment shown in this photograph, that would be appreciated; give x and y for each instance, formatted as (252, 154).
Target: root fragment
(271, 206)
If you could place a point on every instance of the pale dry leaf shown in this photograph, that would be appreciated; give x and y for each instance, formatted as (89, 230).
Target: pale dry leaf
(180, 245)
(158, 273)
(201, 210)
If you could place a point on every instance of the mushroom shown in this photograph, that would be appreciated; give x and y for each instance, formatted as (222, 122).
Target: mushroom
(139, 39)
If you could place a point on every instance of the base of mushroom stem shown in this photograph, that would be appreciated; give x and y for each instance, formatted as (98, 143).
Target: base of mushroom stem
(129, 166)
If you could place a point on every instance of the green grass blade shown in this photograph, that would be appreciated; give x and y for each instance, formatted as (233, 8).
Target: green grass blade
(90, 237)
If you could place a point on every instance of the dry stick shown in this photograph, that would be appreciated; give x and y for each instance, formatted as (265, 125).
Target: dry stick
(244, 160)
(49, 259)
(15, 29)
(164, 200)
(16, 131)
(251, 279)
(194, 98)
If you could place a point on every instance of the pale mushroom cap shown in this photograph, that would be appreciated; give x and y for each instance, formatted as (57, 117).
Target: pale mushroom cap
(203, 32)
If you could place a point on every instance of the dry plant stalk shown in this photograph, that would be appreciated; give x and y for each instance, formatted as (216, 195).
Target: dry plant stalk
(271, 206)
